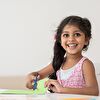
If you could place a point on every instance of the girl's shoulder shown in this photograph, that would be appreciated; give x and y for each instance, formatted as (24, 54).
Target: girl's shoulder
(88, 65)
(87, 62)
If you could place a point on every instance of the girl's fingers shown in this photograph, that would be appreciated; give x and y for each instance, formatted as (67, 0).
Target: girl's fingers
(53, 85)
(46, 84)
(30, 79)
(49, 83)
(29, 85)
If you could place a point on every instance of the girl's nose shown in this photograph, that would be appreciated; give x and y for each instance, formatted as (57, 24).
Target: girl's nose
(71, 38)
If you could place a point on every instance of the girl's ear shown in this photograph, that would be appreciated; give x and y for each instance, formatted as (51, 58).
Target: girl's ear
(87, 41)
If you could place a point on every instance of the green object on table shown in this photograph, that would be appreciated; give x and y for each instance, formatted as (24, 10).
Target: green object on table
(40, 90)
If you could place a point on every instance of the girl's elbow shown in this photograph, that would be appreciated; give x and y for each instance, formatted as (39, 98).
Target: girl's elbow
(96, 92)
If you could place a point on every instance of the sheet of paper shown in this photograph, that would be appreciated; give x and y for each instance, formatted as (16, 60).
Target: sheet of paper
(2, 90)
(9, 91)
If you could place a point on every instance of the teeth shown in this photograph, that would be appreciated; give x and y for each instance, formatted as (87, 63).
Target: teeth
(71, 45)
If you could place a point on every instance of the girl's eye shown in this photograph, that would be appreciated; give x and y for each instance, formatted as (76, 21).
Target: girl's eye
(77, 34)
(65, 35)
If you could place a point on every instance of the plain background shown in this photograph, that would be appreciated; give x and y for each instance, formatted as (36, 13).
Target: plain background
(27, 29)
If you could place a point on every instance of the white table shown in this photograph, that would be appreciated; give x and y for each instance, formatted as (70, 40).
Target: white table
(47, 96)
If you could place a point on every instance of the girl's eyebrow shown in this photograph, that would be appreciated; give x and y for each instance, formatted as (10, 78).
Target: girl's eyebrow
(64, 31)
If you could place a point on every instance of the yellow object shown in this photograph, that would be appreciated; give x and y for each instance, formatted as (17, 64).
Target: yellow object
(76, 99)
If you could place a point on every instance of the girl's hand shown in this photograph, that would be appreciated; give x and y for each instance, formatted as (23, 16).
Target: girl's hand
(53, 85)
(29, 79)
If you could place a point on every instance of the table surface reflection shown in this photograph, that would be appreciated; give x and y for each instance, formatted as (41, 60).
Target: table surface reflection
(48, 96)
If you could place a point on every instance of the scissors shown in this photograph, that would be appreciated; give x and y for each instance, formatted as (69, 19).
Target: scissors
(35, 82)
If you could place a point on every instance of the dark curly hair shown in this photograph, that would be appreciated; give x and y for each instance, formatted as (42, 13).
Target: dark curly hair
(83, 24)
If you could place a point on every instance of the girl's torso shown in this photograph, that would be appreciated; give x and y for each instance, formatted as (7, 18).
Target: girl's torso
(72, 77)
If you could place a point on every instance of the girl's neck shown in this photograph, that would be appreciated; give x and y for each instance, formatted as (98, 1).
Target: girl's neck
(71, 60)
(73, 57)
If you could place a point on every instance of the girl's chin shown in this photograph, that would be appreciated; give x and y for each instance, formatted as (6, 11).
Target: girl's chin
(72, 52)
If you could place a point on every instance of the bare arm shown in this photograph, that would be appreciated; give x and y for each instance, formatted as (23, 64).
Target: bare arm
(46, 71)
(41, 74)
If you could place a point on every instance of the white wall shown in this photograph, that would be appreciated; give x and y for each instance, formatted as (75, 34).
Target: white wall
(27, 28)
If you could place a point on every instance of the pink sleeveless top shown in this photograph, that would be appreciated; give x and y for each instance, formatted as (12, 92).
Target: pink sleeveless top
(76, 78)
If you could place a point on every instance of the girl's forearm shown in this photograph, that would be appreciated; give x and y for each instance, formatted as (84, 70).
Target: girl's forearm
(84, 91)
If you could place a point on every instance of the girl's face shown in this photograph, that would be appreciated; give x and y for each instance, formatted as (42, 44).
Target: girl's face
(73, 39)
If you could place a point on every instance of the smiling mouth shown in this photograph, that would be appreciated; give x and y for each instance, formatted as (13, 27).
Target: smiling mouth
(71, 45)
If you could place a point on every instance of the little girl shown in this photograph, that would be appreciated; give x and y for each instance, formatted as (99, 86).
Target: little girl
(70, 72)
